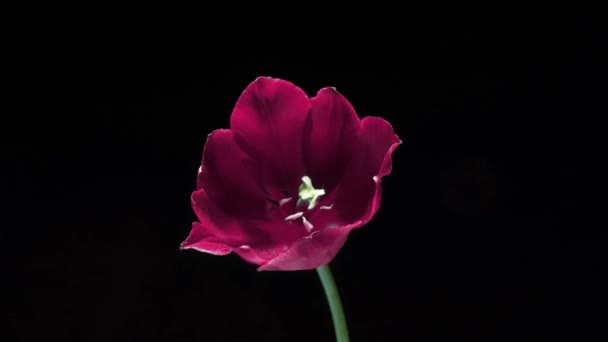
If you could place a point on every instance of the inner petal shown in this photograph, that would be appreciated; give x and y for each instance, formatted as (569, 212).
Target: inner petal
(230, 177)
(269, 120)
(331, 137)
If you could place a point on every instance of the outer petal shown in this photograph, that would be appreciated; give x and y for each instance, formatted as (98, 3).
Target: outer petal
(359, 193)
(219, 233)
(269, 120)
(334, 126)
(223, 227)
(312, 251)
(230, 178)
(200, 240)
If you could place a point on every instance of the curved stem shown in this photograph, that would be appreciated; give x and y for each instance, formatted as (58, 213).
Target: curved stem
(335, 305)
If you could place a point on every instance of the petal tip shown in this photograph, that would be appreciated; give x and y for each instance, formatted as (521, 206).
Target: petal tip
(267, 79)
(323, 90)
(210, 248)
(184, 246)
(218, 131)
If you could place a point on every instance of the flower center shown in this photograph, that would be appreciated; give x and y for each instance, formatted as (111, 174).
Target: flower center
(307, 193)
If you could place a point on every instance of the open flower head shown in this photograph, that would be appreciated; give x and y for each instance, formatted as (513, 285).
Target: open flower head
(289, 180)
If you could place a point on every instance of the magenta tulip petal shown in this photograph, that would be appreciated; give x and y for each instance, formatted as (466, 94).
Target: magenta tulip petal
(359, 193)
(270, 118)
(332, 138)
(310, 252)
(219, 234)
(285, 185)
(229, 177)
(201, 241)
(220, 226)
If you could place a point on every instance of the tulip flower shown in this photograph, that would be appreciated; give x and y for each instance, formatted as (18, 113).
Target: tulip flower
(285, 185)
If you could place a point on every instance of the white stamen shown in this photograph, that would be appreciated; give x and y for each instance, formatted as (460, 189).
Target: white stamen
(307, 224)
(294, 216)
(284, 200)
(326, 207)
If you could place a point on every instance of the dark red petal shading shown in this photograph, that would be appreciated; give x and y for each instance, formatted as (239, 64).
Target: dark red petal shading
(312, 251)
(269, 120)
(331, 139)
(359, 193)
(222, 226)
(230, 178)
(219, 233)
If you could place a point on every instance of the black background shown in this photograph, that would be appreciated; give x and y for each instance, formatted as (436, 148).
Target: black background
(483, 232)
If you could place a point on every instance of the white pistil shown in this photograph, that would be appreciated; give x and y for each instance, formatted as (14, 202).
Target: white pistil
(308, 193)
(294, 216)
(326, 207)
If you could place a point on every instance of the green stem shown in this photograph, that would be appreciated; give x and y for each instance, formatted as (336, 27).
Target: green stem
(335, 305)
